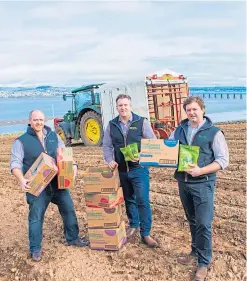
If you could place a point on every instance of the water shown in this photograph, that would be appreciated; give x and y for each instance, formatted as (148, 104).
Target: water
(19, 108)
(219, 110)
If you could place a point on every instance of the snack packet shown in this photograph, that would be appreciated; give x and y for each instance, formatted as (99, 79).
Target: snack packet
(188, 154)
(130, 151)
(134, 150)
(126, 152)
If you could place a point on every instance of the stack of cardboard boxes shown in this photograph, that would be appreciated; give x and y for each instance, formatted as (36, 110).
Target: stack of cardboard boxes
(104, 198)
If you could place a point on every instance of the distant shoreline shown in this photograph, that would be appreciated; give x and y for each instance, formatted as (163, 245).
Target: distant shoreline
(17, 122)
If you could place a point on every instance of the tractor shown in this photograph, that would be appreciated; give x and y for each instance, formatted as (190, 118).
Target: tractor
(84, 120)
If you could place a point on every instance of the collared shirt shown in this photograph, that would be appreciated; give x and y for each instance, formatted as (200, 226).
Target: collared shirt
(193, 130)
(17, 151)
(219, 146)
(125, 126)
(108, 149)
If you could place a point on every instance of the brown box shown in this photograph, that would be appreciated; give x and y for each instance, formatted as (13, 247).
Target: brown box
(107, 239)
(104, 217)
(101, 180)
(65, 168)
(41, 173)
(159, 153)
(104, 200)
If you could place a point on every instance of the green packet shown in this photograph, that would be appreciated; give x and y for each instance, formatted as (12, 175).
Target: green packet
(188, 154)
(130, 151)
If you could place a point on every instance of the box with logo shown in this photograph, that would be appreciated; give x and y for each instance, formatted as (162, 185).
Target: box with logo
(101, 180)
(65, 167)
(104, 217)
(104, 200)
(159, 153)
(41, 173)
(107, 239)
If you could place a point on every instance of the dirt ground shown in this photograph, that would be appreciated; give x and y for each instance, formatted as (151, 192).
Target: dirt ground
(134, 261)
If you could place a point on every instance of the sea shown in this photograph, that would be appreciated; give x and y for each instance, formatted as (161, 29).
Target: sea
(223, 104)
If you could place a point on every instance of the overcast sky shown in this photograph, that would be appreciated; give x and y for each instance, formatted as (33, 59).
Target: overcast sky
(72, 43)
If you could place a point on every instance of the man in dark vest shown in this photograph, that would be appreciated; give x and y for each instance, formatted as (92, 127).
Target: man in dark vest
(196, 185)
(26, 149)
(125, 129)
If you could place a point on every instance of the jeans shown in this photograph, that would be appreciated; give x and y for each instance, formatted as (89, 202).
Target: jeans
(135, 184)
(37, 208)
(198, 202)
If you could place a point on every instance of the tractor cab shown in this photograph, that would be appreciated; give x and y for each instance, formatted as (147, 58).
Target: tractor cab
(84, 119)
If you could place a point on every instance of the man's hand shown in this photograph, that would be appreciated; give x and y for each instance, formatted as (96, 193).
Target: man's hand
(23, 183)
(135, 159)
(113, 165)
(75, 170)
(195, 171)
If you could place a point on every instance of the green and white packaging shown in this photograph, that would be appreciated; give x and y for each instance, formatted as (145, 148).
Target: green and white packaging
(188, 154)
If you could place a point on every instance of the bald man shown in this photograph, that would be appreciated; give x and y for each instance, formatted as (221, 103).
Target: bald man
(26, 149)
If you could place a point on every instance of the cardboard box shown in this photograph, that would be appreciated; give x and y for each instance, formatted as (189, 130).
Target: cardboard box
(65, 167)
(104, 217)
(41, 173)
(104, 200)
(107, 239)
(101, 180)
(159, 153)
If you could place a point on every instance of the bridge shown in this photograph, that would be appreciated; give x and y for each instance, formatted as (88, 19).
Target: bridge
(219, 95)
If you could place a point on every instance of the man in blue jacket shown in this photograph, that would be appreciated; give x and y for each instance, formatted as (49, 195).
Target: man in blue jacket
(26, 149)
(125, 129)
(196, 185)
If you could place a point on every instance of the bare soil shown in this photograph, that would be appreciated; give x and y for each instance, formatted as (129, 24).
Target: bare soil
(134, 261)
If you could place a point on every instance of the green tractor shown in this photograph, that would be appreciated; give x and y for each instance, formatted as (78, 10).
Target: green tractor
(84, 120)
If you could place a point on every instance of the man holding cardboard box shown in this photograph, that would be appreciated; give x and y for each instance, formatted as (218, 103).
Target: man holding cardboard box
(196, 183)
(124, 130)
(40, 141)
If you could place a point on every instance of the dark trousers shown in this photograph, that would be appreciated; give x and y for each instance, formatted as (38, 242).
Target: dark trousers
(135, 184)
(198, 202)
(37, 208)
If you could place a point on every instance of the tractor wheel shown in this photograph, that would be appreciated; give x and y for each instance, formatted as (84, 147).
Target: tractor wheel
(61, 133)
(91, 129)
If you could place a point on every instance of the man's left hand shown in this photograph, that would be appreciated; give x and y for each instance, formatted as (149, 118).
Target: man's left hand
(195, 171)
(135, 159)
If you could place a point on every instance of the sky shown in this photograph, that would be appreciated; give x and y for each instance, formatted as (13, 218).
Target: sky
(73, 43)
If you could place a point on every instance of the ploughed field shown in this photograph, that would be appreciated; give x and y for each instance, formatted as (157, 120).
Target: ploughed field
(134, 261)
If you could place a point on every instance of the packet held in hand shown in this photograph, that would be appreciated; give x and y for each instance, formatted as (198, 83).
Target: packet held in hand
(188, 154)
(130, 151)
(134, 149)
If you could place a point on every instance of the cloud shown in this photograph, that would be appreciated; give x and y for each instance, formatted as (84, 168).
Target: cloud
(68, 10)
(68, 43)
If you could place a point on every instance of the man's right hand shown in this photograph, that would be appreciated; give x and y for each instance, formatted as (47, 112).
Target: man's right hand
(23, 183)
(113, 165)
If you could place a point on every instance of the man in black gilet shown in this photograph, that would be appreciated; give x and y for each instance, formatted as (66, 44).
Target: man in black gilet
(125, 129)
(196, 185)
(26, 149)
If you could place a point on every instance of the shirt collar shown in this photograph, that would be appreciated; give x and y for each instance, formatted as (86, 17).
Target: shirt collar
(44, 132)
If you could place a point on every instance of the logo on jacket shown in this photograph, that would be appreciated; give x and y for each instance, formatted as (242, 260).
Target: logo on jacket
(203, 137)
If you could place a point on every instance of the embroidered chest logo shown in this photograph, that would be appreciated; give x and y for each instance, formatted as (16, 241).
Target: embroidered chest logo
(132, 128)
(203, 137)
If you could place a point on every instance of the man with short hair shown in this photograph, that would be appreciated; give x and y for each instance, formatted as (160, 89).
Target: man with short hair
(196, 185)
(125, 129)
(25, 150)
